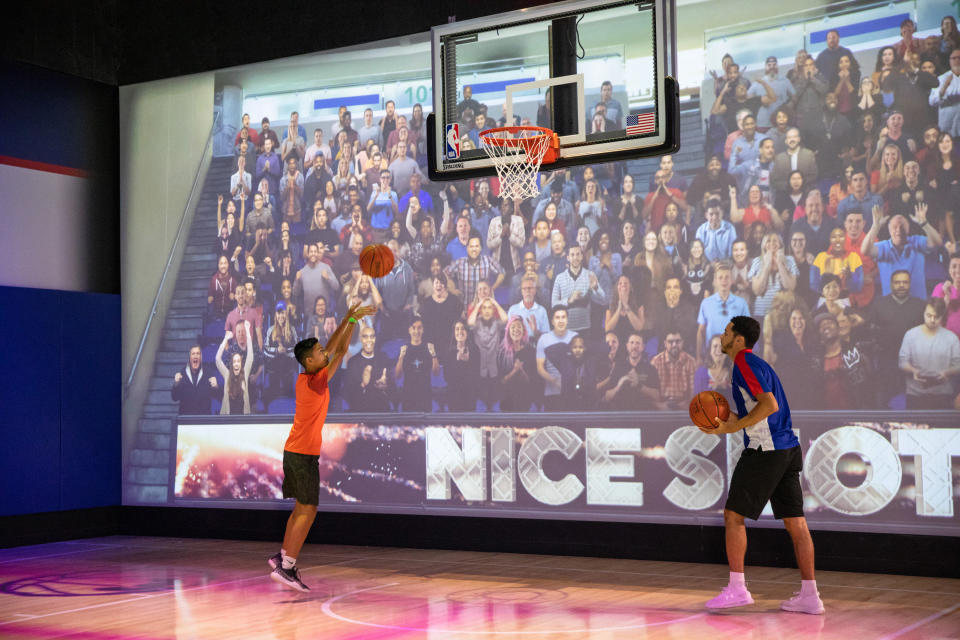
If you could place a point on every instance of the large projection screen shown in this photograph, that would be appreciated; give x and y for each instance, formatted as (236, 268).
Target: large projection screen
(525, 426)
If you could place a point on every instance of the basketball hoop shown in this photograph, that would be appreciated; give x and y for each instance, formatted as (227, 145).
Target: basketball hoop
(517, 153)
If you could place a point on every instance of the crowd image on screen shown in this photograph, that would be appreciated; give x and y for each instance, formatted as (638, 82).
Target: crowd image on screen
(825, 206)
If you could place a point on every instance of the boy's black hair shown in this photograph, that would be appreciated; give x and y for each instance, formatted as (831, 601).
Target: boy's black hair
(748, 328)
(302, 349)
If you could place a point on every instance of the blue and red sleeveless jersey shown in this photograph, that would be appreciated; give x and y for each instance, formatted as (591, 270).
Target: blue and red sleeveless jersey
(751, 377)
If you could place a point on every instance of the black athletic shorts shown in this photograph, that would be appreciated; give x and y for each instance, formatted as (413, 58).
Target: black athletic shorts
(301, 477)
(762, 476)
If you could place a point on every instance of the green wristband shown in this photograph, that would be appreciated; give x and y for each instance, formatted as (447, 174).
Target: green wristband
(353, 320)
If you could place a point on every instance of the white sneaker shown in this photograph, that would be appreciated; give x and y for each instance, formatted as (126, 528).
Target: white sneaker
(729, 597)
(800, 603)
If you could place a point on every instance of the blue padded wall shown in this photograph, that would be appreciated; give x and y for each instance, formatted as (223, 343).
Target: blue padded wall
(59, 401)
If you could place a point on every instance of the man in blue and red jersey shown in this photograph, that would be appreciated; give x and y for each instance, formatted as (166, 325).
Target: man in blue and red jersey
(768, 469)
(301, 453)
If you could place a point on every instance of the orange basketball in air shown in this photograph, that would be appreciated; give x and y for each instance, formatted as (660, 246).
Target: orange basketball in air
(376, 260)
(706, 406)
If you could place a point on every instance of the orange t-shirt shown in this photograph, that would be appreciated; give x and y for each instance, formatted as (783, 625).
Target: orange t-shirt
(313, 400)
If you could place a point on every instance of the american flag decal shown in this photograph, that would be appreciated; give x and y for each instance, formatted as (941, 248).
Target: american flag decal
(641, 123)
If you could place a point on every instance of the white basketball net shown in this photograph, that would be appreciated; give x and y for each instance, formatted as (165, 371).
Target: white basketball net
(517, 156)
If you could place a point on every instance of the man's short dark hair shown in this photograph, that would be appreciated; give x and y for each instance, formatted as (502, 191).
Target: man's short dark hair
(898, 272)
(748, 328)
(559, 307)
(557, 187)
(303, 349)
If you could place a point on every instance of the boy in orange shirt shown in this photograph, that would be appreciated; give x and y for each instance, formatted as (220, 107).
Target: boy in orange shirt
(301, 453)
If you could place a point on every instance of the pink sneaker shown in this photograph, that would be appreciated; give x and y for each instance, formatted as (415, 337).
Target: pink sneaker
(730, 597)
(800, 603)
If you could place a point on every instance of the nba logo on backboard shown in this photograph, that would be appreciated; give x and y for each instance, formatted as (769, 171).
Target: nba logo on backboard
(453, 140)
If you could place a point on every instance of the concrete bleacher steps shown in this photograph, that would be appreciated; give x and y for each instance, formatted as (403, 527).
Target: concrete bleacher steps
(147, 475)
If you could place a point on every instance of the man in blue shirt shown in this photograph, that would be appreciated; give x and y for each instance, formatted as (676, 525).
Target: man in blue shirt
(717, 309)
(383, 207)
(902, 251)
(768, 470)
(716, 234)
(860, 199)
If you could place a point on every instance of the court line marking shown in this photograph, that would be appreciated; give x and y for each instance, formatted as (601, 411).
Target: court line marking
(671, 575)
(174, 591)
(49, 555)
(920, 623)
(327, 609)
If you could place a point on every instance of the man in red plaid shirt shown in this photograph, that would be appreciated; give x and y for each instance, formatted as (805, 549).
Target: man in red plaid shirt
(675, 368)
(467, 272)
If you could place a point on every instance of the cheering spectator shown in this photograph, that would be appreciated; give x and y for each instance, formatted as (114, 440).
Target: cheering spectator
(316, 278)
(236, 378)
(194, 388)
(716, 310)
(278, 349)
(755, 211)
(795, 158)
(853, 239)
(528, 310)
(634, 383)
(367, 385)
(716, 234)
(577, 288)
(383, 206)
(627, 207)
(461, 370)
(505, 238)
(552, 399)
(220, 291)
(578, 374)
(946, 95)
(837, 375)
(828, 60)
(321, 324)
(813, 226)
(893, 315)
(890, 174)
(770, 273)
(929, 356)
(810, 87)
(713, 181)
(834, 141)
(269, 166)
(627, 246)
(486, 322)
(466, 272)
(714, 375)
(698, 272)
(241, 183)
(949, 290)
(675, 369)
(416, 363)
(901, 251)
(439, 311)
(860, 198)
(520, 385)
(655, 260)
(840, 261)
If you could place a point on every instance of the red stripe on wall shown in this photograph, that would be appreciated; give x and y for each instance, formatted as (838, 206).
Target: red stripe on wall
(44, 166)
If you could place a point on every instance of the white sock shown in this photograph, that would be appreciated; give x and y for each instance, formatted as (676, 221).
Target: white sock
(288, 562)
(737, 579)
(808, 587)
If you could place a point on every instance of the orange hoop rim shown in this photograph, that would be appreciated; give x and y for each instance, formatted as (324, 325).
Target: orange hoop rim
(488, 137)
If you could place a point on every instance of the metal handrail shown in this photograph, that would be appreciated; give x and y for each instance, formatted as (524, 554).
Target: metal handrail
(173, 249)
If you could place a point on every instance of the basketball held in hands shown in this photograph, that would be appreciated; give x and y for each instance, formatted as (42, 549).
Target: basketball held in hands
(706, 406)
(376, 260)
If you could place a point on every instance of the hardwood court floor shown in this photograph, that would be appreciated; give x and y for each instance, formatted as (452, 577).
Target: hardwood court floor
(151, 588)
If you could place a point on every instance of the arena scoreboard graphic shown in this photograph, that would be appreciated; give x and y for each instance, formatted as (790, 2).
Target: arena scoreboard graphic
(876, 474)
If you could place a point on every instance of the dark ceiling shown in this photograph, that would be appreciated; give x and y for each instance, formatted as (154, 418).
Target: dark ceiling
(126, 41)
